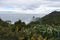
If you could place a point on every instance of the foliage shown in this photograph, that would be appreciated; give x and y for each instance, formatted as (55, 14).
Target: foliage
(38, 29)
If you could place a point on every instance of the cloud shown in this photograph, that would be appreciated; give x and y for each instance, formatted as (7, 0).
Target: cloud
(52, 0)
(29, 6)
(24, 4)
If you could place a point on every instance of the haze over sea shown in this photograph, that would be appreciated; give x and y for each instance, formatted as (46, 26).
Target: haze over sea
(15, 17)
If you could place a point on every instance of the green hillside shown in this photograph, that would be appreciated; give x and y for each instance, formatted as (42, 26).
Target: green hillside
(52, 18)
(32, 31)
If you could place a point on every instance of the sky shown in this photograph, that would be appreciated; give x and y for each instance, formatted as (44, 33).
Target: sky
(30, 7)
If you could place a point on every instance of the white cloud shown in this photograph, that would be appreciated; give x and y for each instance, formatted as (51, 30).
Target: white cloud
(29, 6)
(20, 3)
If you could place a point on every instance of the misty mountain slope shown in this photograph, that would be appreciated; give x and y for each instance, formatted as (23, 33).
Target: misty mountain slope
(52, 18)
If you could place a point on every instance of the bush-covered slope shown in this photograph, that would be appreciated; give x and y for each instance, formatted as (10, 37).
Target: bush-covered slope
(52, 18)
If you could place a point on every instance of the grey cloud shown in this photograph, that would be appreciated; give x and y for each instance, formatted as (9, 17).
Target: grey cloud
(51, 3)
(16, 4)
(29, 5)
(52, 0)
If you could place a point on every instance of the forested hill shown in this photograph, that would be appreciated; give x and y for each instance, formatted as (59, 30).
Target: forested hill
(32, 31)
(51, 18)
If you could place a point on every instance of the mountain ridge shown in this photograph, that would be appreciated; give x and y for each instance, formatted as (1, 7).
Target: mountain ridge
(51, 18)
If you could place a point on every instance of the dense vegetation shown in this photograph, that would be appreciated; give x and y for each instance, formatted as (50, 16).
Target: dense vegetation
(52, 18)
(45, 28)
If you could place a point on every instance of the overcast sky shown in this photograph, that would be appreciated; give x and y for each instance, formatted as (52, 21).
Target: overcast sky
(28, 7)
